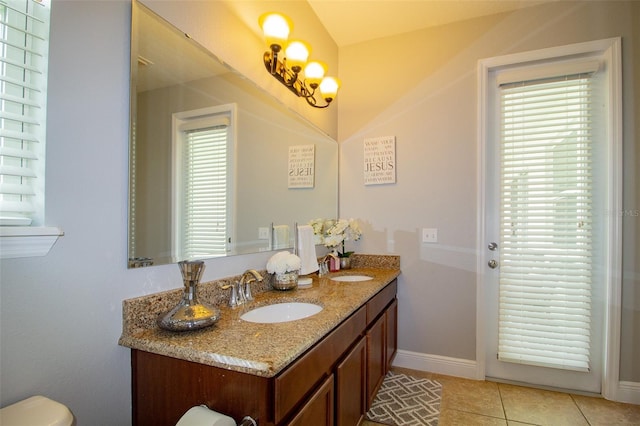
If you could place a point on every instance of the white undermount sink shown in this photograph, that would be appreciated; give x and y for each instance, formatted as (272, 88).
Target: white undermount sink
(352, 278)
(281, 312)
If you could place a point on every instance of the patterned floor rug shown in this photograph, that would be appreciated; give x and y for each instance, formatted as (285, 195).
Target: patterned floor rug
(406, 401)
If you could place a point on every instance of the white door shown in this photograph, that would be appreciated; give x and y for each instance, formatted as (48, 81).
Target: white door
(542, 292)
(545, 245)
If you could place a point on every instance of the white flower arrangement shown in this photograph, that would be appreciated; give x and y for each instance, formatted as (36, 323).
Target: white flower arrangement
(319, 226)
(333, 233)
(282, 262)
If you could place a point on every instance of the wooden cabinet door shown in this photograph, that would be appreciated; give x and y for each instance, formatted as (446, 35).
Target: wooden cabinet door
(319, 409)
(392, 332)
(376, 359)
(164, 388)
(351, 386)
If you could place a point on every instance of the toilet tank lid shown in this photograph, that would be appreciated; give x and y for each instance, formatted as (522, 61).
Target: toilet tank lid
(37, 411)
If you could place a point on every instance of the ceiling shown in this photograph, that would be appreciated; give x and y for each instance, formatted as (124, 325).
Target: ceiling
(374, 19)
(355, 21)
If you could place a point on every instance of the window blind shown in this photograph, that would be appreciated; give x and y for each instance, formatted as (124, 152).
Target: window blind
(204, 219)
(24, 32)
(546, 225)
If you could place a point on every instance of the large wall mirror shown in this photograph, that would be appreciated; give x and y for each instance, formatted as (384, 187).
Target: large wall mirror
(212, 155)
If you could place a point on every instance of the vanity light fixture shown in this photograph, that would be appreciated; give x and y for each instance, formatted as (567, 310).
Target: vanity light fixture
(287, 66)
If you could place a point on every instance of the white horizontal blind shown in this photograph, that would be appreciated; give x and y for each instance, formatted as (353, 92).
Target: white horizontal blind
(24, 32)
(546, 226)
(204, 219)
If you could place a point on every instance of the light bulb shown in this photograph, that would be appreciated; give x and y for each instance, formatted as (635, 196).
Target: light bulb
(275, 28)
(297, 53)
(313, 73)
(329, 88)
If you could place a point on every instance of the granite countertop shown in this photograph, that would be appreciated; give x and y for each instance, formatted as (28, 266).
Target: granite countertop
(254, 348)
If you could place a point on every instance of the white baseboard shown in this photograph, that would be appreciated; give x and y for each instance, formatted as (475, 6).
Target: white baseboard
(456, 367)
(628, 392)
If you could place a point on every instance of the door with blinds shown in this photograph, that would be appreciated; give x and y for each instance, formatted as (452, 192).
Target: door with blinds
(546, 224)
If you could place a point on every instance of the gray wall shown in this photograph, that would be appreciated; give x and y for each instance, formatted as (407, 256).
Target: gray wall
(428, 100)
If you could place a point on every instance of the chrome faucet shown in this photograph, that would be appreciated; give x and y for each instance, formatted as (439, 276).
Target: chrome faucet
(244, 289)
(324, 267)
(241, 290)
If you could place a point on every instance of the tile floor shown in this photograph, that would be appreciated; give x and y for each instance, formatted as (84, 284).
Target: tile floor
(471, 402)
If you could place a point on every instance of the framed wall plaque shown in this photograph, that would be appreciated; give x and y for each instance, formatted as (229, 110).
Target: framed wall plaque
(380, 160)
(301, 166)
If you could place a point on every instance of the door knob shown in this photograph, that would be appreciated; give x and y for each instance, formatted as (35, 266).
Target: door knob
(493, 264)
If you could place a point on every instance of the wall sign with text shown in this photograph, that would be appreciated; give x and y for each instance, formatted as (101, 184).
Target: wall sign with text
(380, 160)
(302, 163)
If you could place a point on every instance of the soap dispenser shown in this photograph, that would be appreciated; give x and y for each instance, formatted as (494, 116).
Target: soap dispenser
(189, 314)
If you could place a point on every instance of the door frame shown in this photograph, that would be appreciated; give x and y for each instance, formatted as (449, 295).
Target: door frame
(612, 52)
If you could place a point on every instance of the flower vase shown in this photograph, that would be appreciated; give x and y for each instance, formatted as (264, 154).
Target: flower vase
(345, 263)
(285, 281)
(190, 313)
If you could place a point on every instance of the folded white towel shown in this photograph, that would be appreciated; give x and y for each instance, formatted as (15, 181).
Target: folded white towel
(280, 237)
(307, 250)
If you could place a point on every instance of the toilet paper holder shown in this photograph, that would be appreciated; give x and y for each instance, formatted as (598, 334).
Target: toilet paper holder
(202, 415)
(248, 421)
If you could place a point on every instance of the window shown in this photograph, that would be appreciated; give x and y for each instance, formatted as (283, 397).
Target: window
(203, 144)
(24, 50)
(25, 30)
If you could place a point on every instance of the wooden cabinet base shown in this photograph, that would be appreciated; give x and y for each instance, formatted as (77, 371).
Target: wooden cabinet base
(333, 383)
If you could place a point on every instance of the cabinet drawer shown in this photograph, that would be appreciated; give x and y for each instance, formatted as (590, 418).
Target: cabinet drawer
(300, 378)
(380, 301)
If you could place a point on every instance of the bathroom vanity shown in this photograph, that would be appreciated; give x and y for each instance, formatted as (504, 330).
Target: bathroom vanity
(320, 370)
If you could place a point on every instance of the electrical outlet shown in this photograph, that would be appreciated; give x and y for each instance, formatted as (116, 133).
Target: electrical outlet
(429, 235)
(263, 233)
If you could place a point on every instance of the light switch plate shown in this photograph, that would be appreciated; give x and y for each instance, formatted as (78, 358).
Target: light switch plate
(263, 233)
(429, 235)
